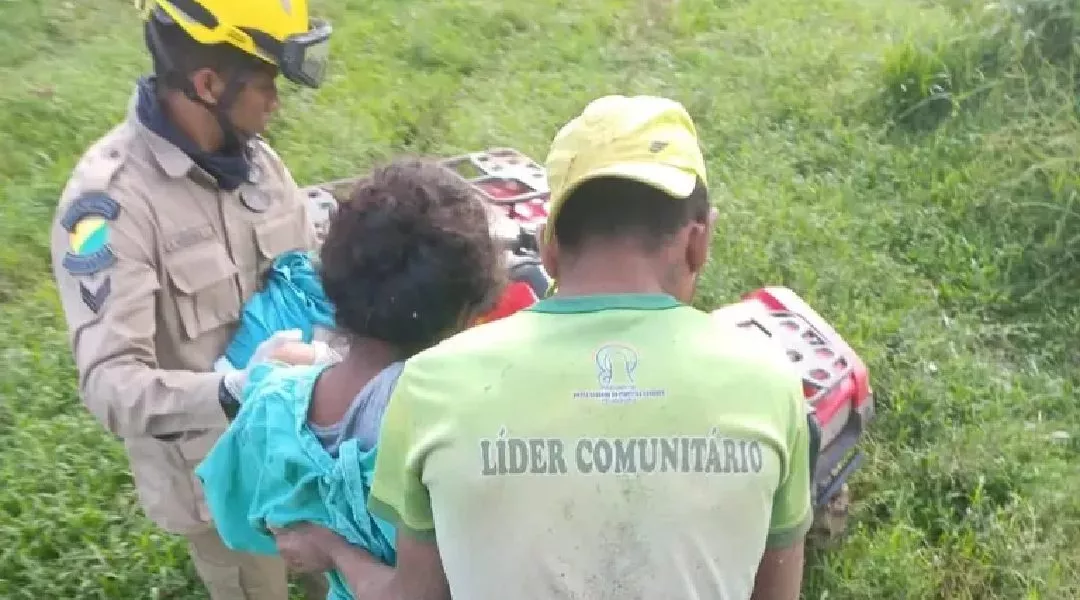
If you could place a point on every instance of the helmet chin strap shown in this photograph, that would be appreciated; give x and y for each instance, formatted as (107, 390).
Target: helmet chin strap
(233, 139)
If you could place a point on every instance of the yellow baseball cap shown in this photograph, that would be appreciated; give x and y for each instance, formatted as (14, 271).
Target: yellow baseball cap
(648, 139)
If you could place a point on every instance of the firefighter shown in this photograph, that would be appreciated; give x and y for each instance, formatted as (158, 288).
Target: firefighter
(159, 237)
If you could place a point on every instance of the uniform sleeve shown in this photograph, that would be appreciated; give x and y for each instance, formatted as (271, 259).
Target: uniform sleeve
(107, 283)
(792, 512)
(398, 493)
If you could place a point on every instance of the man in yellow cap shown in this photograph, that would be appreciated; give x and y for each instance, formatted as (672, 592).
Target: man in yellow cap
(611, 441)
(160, 236)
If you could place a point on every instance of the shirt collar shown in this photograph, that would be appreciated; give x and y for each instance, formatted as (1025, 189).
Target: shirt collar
(172, 160)
(599, 302)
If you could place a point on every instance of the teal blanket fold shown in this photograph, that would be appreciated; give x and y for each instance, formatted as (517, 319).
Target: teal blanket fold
(269, 469)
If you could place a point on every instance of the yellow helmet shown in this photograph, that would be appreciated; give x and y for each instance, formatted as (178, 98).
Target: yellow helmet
(279, 32)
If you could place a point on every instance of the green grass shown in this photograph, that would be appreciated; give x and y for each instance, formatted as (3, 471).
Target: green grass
(910, 168)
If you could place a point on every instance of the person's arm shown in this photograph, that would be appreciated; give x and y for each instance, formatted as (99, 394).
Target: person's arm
(398, 494)
(109, 303)
(418, 575)
(779, 575)
(780, 571)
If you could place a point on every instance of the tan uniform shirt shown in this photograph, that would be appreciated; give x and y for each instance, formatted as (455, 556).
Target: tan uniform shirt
(153, 263)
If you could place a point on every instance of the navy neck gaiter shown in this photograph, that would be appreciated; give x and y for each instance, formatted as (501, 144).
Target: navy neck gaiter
(229, 166)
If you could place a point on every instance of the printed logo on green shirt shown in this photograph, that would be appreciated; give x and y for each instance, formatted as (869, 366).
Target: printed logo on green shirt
(615, 367)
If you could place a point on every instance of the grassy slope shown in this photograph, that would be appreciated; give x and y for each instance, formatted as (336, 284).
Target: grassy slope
(943, 250)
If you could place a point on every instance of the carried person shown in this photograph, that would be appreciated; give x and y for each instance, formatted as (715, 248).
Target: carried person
(408, 261)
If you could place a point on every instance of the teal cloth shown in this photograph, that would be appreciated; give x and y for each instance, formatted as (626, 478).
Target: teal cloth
(270, 469)
(293, 298)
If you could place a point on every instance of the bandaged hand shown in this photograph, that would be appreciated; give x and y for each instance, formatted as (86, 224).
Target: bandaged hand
(299, 353)
(235, 379)
(266, 350)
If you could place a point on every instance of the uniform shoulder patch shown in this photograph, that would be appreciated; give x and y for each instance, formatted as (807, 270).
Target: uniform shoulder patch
(87, 220)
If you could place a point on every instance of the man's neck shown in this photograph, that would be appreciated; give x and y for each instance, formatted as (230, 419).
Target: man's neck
(612, 272)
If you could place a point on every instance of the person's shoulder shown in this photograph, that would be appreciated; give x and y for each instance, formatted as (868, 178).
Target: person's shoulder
(467, 352)
(262, 147)
(486, 337)
(269, 171)
(266, 157)
(96, 182)
(97, 198)
(735, 348)
(104, 158)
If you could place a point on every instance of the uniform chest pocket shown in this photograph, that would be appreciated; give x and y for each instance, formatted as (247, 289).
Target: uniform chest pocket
(204, 282)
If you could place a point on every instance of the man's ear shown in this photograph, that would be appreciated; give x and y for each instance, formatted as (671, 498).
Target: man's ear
(549, 252)
(208, 85)
(699, 242)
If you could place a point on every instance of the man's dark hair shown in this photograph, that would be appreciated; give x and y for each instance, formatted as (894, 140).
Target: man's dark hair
(186, 55)
(409, 254)
(608, 208)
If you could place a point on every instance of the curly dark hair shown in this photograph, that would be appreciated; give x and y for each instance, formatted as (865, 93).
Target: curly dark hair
(410, 255)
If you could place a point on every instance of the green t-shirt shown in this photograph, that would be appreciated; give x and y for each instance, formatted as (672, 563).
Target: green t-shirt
(606, 446)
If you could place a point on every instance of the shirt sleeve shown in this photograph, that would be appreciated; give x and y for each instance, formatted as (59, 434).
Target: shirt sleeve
(792, 511)
(103, 266)
(398, 492)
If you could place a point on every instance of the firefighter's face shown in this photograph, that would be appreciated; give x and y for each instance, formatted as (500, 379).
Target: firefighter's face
(256, 103)
(252, 104)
